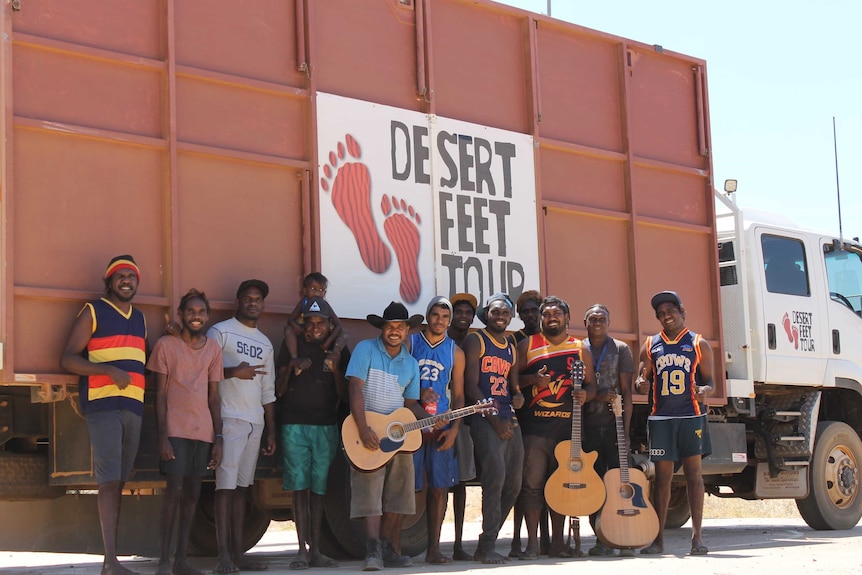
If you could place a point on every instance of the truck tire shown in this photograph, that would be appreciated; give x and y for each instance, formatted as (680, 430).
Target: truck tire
(203, 534)
(24, 476)
(833, 501)
(349, 534)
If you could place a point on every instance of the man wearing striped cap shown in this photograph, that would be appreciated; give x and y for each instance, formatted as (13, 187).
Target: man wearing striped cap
(107, 348)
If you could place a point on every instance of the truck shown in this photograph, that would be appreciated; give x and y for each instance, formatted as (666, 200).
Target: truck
(405, 148)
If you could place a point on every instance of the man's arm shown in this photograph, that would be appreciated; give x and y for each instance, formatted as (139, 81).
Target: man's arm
(472, 394)
(447, 437)
(214, 402)
(588, 391)
(705, 367)
(73, 362)
(540, 379)
(166, 450)
(644, 373)
(269, 426)
(357, 410)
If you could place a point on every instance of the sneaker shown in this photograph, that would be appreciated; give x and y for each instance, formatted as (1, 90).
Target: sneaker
(600, 550)
(391, 558)
(373, 556)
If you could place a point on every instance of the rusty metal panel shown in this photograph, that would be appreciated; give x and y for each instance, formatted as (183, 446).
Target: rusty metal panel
(584, 180)
(480, 64)
(579, 89)
(365, 51)
(673, 196)
(247, 38)
(97, 200)
(238, 220)
(127, 26)
(238, 118)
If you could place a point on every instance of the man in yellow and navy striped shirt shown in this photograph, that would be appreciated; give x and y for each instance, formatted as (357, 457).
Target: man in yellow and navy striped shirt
(107, 348)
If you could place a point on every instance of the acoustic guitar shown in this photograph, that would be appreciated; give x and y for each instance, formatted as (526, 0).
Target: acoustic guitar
(628, 519)
(395, 433)
(575, 489)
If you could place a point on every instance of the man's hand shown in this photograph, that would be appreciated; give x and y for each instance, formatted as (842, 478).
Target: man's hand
(446, 439)
(215, 457)
(580, 396)
(369, 439)
(269, 448)
(701, 392)
(428, 395)
(331, 360)
(542, 380)
(166, 450)
(518, 400)
(246, 371)
(641, 385)
(300, 363)
(121, 378)
(172, 327)
(503, 427)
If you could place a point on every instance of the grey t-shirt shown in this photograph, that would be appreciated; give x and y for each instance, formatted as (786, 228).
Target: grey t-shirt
(617, 359)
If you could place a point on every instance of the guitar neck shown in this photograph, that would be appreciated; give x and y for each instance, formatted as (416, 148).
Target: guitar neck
(428, 422)
(576, 423)
(622, 448)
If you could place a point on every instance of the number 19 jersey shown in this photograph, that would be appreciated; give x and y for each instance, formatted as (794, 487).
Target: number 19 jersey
(675, 363)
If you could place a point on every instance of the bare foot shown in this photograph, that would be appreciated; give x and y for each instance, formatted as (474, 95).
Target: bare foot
(248, 564)
(321, 560)
(182, 567)
(489, 558)
(458, 554)
(225, 566)
(115, 568)
(437, 558)
(654, 549)
(164, 569)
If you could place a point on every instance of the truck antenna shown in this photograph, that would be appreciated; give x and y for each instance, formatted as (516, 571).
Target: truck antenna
(837, 184)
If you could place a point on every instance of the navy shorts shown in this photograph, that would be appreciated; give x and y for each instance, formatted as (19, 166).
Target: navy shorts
(114, 436)
(440, 467)
(677, 438)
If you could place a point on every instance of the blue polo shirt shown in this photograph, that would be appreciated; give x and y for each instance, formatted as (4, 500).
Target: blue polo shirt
(388, 380)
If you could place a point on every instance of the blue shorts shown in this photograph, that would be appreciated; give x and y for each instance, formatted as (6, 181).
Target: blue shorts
(114, 436)
(441, 467)
(308, 453)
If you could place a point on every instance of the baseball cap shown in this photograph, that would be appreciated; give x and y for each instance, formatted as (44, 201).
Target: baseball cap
(466, 298)
(497, 297)
(665, 297)
(316, 306)
(438, 300)
(259, 284)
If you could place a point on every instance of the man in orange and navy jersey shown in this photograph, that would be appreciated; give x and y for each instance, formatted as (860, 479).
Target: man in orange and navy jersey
(107, 348)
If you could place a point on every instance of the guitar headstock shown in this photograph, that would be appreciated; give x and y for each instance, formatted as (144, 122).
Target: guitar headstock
(617, 406)
(577, 372)
(486, 406)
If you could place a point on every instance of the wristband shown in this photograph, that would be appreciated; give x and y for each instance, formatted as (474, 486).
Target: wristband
(219, 435)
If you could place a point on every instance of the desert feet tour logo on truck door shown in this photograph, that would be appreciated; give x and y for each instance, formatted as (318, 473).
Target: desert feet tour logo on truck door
(350, 193)
(798, 325)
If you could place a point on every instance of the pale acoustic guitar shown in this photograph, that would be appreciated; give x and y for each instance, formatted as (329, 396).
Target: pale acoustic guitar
(628, 519)
(396, 433)
(575, 489)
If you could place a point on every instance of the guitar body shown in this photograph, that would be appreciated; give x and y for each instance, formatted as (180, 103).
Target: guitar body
(393, 439)
(574, 489)
(628, 519)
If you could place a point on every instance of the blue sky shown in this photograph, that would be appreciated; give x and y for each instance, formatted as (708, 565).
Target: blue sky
(778, 72)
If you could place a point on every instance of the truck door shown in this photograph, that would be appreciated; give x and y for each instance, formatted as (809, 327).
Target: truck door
(793, 307)
(844, 277)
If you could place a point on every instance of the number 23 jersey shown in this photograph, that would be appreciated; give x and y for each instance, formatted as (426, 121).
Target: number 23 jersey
(675, 366)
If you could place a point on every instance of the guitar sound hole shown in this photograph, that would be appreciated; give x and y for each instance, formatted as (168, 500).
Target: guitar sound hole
(395, 432)
(575, 464)
(627, 491)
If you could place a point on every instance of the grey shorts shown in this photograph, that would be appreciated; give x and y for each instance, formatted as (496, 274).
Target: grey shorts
(191, 458)
(539, 464)
(239, 454)
(464, 454)
(114, 437)
(389, 489)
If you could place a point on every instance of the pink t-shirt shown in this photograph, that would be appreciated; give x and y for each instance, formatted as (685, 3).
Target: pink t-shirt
(188, 372)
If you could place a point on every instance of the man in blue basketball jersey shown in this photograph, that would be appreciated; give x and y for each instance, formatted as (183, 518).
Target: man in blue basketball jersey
(441, 369)
(676, 370)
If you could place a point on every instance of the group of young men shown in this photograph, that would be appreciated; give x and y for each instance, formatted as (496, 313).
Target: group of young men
(216, 394)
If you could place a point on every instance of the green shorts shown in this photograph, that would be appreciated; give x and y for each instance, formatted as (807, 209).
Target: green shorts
(677, 438)
(308, 453)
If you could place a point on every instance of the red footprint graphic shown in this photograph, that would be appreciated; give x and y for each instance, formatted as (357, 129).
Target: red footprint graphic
(403, 235)
(792, 331)
(351, 197)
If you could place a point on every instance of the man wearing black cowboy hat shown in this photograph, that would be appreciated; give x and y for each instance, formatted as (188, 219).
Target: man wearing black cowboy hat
(383, 377)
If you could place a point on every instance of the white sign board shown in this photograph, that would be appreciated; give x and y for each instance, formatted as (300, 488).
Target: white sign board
(415, 205)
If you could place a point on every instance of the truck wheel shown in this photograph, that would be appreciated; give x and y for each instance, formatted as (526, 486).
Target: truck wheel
(203, 534)
(678, 511)
(349, 534)
(833, 500)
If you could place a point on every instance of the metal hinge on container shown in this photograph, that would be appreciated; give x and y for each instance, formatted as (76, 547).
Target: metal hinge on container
(16, 5)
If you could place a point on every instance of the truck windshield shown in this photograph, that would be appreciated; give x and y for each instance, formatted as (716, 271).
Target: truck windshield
(844, 273)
